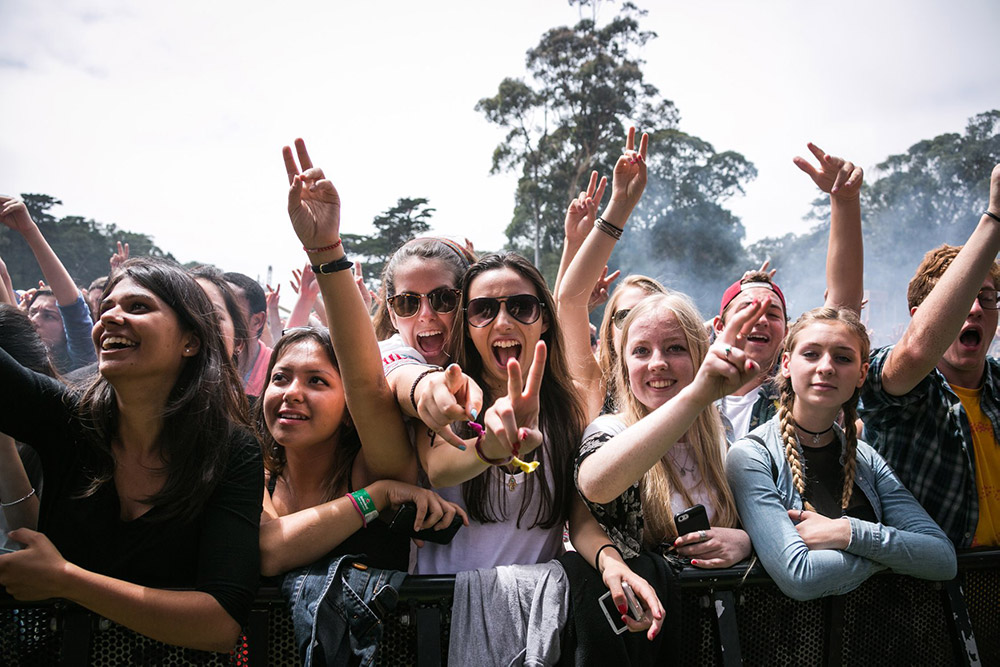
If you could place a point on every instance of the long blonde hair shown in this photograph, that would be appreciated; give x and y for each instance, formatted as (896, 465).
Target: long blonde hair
(793, 451)
(705, 435)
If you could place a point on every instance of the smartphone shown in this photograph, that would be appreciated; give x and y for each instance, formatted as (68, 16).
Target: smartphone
(692, 519)
(614, 616)
(402, 523)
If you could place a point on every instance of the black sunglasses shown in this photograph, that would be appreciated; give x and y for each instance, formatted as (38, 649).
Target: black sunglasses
(525, 308)
(442, 300)
(619, 317)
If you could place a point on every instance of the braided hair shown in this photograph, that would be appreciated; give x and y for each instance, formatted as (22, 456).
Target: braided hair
(793, 452)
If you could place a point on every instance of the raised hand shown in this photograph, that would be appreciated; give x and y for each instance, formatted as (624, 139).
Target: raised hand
(600, 292)
(313, 202)
(629, 178)
(359, 280)
(582, 211)
(835, 176)
(308, 287)
(994, 205)
(512, 421)
(726, 367)
(14, 214)
(119, 257)
(443, 398)
(764, 268)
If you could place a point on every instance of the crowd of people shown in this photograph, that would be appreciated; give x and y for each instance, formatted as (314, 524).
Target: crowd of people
(168, 439)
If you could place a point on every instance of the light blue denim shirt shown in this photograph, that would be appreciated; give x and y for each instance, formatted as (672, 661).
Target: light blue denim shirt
(906, 540)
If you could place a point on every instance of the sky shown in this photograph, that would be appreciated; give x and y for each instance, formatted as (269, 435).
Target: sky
(169, 118)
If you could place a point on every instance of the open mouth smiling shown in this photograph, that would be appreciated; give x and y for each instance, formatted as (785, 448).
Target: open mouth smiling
(109, 343)
(505, 350)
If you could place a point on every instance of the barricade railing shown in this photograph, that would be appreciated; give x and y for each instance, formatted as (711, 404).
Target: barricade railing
(730, 617)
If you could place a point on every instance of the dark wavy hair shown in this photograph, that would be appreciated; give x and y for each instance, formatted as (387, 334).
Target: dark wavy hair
(560, 413)
(19, 339)
(348, 442)
(241, 330)
(205, 407)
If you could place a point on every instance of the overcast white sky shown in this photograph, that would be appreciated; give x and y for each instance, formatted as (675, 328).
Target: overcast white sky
(168, 118)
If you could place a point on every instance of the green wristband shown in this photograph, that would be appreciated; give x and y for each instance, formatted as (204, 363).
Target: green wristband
(365, 505)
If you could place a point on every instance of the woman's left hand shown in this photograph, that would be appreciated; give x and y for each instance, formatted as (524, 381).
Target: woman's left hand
(836, 176)
(36, 572)
(820, 532)
(615, 572)
(714, 548)
(313, 202)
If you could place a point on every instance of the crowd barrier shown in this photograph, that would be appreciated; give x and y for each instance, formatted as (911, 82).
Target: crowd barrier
(730, 619)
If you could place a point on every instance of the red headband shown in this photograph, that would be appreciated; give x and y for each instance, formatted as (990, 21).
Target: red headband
(733, 290)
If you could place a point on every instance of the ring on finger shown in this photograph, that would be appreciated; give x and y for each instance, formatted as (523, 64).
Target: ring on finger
(703, 535)
(728, 350)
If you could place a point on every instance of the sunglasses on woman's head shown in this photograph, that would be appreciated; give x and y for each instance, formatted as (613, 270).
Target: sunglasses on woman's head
(619, 317)
(442, 300)
(525, 308)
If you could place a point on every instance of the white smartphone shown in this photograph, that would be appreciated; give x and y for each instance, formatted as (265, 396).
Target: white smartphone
(614, 616)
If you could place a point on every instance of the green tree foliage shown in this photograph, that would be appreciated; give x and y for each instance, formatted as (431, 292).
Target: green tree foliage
(568, 117)
(404, 221)
(82, 244)
(933, 193)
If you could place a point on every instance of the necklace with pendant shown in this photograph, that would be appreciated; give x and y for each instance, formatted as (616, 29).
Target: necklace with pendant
(683, 467)
(511, 482)
(815, 434)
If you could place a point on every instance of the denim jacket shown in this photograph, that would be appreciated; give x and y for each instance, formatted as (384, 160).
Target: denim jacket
(906, 540)
(336, 605)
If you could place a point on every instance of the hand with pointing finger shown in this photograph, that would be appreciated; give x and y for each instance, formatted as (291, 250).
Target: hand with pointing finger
(726, 367)
(835, 176)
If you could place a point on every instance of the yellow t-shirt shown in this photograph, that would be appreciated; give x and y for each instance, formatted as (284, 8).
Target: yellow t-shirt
(987, 454)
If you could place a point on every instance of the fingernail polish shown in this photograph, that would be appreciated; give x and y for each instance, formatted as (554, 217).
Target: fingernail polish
(624, 618)
(474, 413)
(694, 561)
(462, 447)
(622, 609)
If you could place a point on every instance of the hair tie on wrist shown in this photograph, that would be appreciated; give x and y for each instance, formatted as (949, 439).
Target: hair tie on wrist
(992, 215)
(332, 246)
(597, 558)
(488, 461)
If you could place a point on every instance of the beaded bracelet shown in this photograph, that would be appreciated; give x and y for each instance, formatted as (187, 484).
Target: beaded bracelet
(324, 248)
(413, 387)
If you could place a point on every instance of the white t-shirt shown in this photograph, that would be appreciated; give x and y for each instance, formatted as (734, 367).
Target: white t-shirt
(396, 353)
(738, 410)
(486, 545)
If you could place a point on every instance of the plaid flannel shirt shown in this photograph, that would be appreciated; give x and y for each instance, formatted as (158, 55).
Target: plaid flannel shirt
(926, 438)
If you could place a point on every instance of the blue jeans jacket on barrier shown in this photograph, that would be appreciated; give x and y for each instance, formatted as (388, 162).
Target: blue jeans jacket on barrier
(906, 540)
(337, 605)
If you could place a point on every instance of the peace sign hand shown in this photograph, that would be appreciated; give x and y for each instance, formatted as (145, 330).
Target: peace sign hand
(313, 202)
(836, 176)
(512, 421)
(582, 211)
(630, 172)
(726, 367)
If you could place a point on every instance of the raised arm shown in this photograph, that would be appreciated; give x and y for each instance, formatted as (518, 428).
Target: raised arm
(437, 398)
(15, 215)
(609, 471)
(936, 322)
(579, 221)
(314, 209)
(584, 271)
(845, 253)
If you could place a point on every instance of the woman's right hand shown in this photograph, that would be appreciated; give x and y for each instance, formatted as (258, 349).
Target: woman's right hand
(582, 211)
(313, 202)
(616, 571)
(512, 421)
(443, 398)
(433, 511)
(726, 367)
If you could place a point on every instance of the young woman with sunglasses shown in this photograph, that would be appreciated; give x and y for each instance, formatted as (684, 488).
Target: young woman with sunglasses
(334, 441)
(516, 516)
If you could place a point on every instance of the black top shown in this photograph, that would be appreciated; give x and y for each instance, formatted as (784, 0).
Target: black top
(376, 544)
(825, 484)
(217, 551)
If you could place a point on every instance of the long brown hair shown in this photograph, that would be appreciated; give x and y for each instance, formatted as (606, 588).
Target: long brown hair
(793, 452)
(560, 412)
(348, 440)
(705, 435)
